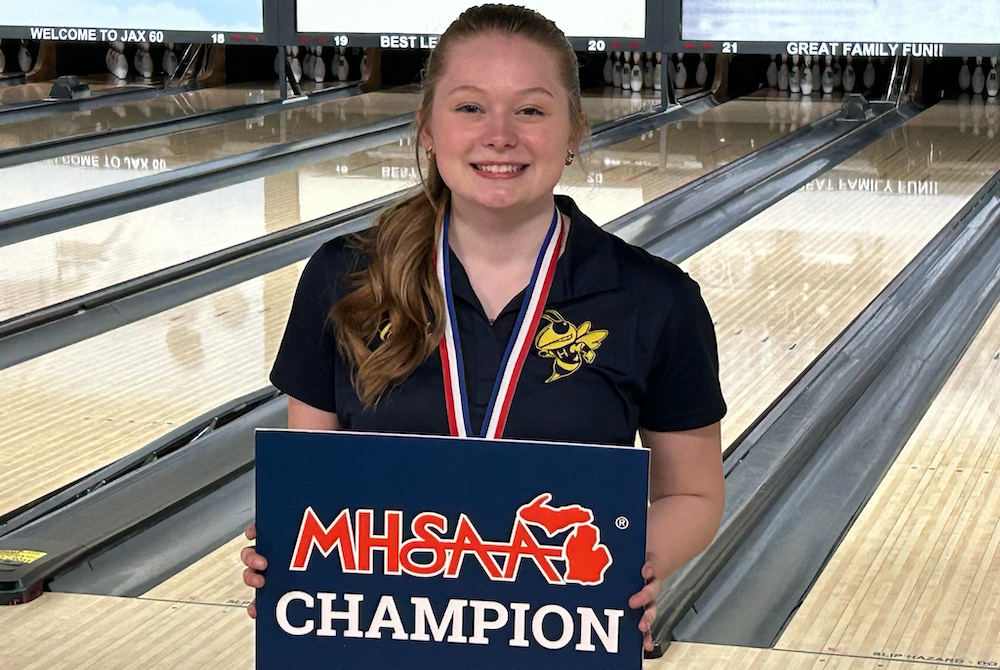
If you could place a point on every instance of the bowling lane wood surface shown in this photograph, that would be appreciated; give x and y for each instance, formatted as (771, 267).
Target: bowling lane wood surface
(783, 285)
(918, 574)
(75, 173)
(63, 265)
(67, 125)
(91, 632)
(262, 305)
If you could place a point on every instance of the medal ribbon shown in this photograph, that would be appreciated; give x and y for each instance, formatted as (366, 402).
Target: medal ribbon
(456, 396)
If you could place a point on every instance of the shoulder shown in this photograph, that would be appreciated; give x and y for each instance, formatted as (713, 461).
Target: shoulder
(657, 282)
(664, 284)
(328, 271)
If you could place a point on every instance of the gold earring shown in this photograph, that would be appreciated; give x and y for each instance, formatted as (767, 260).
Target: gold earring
(570, 156)
(429, 153)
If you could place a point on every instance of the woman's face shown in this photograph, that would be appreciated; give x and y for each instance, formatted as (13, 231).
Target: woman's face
(499, 124)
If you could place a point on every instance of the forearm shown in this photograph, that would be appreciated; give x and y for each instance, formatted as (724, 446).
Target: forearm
(678, 528)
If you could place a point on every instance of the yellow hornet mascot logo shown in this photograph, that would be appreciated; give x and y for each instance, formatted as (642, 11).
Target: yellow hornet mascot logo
(569, 346)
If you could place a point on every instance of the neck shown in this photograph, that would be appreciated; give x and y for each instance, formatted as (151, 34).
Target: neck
(479, 235)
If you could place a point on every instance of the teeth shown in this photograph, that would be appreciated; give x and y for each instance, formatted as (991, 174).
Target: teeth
(498, 168)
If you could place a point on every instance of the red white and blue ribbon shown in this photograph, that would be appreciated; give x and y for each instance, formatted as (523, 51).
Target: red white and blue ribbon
(456, 397)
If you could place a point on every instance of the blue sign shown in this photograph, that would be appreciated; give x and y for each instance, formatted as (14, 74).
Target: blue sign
(389, 551)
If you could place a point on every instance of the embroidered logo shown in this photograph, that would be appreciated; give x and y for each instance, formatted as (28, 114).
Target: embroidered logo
(569, 346)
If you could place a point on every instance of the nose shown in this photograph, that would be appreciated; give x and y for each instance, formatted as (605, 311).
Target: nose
(499, 132)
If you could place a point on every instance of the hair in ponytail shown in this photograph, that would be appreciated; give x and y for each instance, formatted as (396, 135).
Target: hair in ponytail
(400, 284)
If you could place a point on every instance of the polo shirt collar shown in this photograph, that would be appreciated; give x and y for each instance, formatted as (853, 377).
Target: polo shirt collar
(588, 265)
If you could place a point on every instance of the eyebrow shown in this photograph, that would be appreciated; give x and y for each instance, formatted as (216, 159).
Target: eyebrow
(476, 89)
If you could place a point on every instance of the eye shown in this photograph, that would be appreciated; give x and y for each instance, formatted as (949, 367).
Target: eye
(532, 111)
(469, 108)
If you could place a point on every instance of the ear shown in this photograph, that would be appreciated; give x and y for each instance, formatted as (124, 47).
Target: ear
(424, 134)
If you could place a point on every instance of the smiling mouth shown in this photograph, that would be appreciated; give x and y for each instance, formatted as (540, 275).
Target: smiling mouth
(499, 169)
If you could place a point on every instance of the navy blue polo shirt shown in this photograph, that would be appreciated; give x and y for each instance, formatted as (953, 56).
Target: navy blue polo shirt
(625, 341)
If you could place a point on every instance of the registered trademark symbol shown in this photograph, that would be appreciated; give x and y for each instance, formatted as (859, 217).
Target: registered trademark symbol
(621, 523)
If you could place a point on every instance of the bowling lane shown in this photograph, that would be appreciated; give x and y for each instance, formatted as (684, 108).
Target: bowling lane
(15, 134)
(57, 267)
(74, 173)
(918, 572)
(784, 284)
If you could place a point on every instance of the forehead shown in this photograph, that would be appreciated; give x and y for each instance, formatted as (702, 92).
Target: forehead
(500, 64)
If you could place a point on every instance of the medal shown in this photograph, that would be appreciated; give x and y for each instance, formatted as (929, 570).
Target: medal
(456, 397)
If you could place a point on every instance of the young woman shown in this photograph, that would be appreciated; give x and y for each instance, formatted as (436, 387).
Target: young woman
(624, 342)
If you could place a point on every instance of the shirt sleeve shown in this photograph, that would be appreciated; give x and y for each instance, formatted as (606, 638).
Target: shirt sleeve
(306, 364)
(683, 390)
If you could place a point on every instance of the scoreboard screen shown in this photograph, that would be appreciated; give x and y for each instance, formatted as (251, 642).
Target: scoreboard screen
(927, 27)
(593, 25)
(213, 21)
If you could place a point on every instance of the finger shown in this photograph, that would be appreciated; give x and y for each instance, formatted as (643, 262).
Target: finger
(252, 609)
(252, 559)
(648, 571)
(646, 596)
(647, 642)
(252, 578)
(251, 531)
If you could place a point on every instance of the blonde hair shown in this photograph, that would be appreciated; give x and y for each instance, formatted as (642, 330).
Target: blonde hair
(400, 284)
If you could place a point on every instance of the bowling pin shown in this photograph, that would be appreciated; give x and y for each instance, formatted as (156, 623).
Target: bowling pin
(795, 78)
(307, 63)
(121, 66)
(294, 65)
(701, 74)
(827, 79)
(635, 80)
(783, 74)
(838, 75)
(109, 57)
(992, 85)
(24, 58)
(170, 61)
(978, 77)
(365, 72)
(806, 84)
(964, 76)
(626, 72)
(658, 73)
(772, 74)
(681, 75)
(342, 68)
(616, 72)
(647, 74)
(869, 75)
(849, 76)
(145, 61)
(136, 57)
(817, 73)
(608, 67)
(319, 66)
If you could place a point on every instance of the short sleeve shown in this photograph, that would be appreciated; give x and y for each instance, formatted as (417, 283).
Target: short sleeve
(683, 390)
(306, 365)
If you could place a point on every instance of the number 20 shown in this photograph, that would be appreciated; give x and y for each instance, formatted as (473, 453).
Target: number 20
(596, 45)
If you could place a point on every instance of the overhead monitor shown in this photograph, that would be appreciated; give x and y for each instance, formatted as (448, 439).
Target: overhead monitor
(199, 21)
(591, 25)
(923, 28)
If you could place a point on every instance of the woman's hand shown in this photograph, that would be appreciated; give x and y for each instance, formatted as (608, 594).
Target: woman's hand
(254, 562)
(646, 599)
